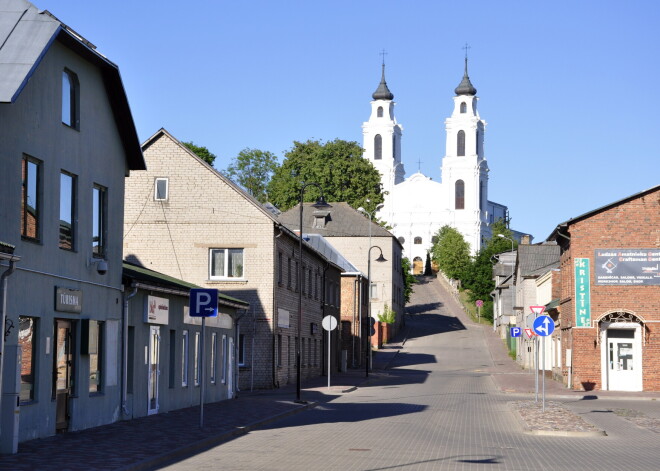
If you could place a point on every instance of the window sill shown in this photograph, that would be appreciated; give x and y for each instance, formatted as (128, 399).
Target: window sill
(227, 280)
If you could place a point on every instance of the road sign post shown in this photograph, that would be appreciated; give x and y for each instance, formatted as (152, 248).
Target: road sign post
(203, 303)
(329, 323)
(544, 326)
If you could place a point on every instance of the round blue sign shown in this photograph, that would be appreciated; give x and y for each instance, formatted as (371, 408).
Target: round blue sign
(544, 326)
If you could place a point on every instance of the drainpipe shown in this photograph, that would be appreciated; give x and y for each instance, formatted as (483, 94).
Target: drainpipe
(124, 353)
(3, 308)
(356, 287)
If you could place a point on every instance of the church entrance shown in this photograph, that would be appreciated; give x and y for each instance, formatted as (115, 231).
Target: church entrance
(418, 266)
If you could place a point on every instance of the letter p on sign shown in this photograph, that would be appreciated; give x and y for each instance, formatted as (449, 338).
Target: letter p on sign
(203, 302)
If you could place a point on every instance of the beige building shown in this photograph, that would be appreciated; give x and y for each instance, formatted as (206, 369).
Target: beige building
(185, 219)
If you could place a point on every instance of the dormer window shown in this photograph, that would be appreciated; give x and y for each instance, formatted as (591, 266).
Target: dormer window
(320, 219)
(379, 113)
(463, 107)
(70, 99)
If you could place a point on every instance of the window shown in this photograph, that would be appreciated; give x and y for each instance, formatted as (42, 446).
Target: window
(379, 112)
(302, 352)
(463, 107)
(197, 360)
(417, 241)
(224, 359)
(459, 195)
(99, 222)
(95, 356)
(280, 268)
(172, 359)
(378, 147)
(184, 359)
(476, 144)
(310, 359)
(70, 99)
(241, 350)
(302, 281)
(67, 210)
(288, 281)
(27, 340)
(225, 263)
(374, 291)
(30, 198)
(309, 283)
(161, 188)
(214, 358)
(460, 143)
(297, 284)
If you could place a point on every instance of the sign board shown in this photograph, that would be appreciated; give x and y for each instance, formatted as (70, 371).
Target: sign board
(157, 310)
(203, 302)
(516, 331)
(544, 326)
(628, 267)
(530, 333)
(582, 293)
(537, 310)
(479, 303)
(329, 323)
(68, 300)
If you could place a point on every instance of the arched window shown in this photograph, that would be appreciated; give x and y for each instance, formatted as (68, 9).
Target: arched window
(401, 240)
(418, 241)
(463, 107)
(378, 147)
(459, 195)
(70, 99)
(460, 143)
(379, 113)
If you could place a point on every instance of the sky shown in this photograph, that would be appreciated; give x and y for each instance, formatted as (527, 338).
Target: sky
(568, 88)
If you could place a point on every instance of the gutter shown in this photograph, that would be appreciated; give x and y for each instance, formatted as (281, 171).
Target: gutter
(124, 352)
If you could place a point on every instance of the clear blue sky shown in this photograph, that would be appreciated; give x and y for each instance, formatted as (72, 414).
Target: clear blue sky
(569, 89)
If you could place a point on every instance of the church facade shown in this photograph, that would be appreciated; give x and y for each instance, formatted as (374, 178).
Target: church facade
(417, 207)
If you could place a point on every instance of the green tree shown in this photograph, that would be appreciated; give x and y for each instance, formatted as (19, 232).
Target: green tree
(201, 152)
(408, 279)
(337, 166)
(253, 169)
(428, 269)
(451, 252)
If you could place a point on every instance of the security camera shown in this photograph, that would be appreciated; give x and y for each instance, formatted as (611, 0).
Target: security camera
(102, 267)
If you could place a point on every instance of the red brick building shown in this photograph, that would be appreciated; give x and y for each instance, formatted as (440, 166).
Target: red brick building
(609, 308)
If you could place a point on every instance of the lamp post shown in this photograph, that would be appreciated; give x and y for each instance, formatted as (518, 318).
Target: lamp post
(320, 203)
(513, 267)
(379, 259)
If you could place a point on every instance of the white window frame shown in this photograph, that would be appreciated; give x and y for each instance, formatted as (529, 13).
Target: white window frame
(197, 370)
(184, 359)
(223, 378)
(241, 349)
(225, 275)
(214, 357)
(167, 188)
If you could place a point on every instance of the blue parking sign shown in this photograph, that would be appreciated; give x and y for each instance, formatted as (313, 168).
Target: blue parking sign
(516, 332)
(203, 302)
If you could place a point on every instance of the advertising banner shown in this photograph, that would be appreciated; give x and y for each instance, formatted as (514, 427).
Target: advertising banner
(582, 293)
(627, 267)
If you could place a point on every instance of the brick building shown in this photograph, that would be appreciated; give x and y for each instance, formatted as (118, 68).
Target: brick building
(610, 293)
(186, 220)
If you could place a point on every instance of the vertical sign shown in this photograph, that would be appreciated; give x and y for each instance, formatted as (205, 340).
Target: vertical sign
(582, 293)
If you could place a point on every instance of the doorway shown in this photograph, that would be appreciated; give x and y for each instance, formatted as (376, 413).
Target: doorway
(418, 266)
(623, 359)
(63, 367)
(154, 369)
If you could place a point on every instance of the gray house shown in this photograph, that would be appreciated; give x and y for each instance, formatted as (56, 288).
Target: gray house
(67, 142)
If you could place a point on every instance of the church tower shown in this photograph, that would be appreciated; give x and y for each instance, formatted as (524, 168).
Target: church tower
(464, 167)
(382, 137)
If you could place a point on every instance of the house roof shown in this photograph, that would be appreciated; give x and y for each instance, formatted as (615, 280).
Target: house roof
(562, 227)
(340, 220)
(156, 280)
(26, 35)
(535, 260)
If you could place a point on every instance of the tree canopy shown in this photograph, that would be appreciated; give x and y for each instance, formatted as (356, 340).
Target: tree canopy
(451, 252)
(408, 279)
(253, 169)
(201, 152)
(337, 166)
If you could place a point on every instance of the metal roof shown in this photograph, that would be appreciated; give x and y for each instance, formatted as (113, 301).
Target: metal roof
(328, 251)
(26, 34)
(382, 92)
(535, 260)
(465, 87)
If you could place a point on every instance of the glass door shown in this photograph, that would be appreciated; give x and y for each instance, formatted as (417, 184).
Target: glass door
(62, 373)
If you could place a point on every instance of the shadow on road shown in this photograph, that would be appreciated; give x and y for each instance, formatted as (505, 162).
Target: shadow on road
(422, 325)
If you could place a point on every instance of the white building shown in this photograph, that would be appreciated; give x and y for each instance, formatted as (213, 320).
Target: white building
(418, 206)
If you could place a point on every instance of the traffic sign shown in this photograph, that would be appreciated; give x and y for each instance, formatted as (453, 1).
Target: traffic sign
(537, 310)
(544, 326)
(516, 331)
(479, 303)
(329, 323)
(530, 333)
(203, 302)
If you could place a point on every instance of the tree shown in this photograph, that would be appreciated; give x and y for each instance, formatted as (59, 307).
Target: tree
(428, 269)
(451, 252)
(253, 169)
(201, 152)
(408, 279)
(337, 166)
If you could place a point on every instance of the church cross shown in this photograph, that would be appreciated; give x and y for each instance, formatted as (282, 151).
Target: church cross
(383, 53)
(419, 165)
(466, 47)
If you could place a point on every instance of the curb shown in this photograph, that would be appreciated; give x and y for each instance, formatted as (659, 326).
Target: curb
(566, 433)
(186, 450)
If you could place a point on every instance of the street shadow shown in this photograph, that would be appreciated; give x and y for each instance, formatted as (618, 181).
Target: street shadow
(404, 359)
(416, 309)
(494, 459)
(423, 325)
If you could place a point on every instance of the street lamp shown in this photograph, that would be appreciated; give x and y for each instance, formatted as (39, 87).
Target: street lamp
(379, 259)
(513, 265)
(320, 203)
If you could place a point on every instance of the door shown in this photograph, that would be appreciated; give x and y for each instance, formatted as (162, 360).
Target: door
(154, 369)
(623, 361)
(63, 373)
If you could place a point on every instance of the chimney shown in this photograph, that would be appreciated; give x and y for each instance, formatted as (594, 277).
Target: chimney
(525, 239)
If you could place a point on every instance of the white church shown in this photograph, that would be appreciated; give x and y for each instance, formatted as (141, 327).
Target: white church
(417, 207)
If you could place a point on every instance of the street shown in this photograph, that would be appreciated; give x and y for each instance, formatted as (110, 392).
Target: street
(436, 408)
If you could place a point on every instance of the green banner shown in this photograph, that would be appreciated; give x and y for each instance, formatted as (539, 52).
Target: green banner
(582, 293)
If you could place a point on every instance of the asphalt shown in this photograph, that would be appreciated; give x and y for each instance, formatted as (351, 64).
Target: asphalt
(150, 442)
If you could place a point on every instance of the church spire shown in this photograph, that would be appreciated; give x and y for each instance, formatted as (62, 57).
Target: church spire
(465, 87)
(382, 92)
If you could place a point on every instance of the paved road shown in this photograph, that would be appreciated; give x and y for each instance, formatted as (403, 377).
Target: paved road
(438, 408)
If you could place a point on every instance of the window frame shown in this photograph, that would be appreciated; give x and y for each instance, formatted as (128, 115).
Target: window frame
(96, 338)
(378, 147)
(99, 220)
(167, 189)
(225, 275)
(460, 143)
(214, 357)
(197, 360)
(185, 359)
(241, 349)
(459, 195)
(70, 113)
(27, 188)
(34, 345)
(72, 210)
(223, 376)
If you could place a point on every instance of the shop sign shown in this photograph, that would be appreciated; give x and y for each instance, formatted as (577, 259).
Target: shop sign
(628, 267)
(157, 311)
(582, 293)
(68, 300)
